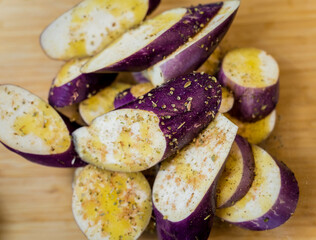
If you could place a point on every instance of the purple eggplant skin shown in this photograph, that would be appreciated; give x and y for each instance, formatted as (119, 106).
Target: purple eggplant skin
(284, 207)
(131, 94)
(123, 98)
(168, 42)
(183, 64)
(78, 89)
(194, 56)
(251, 104)
(139, 77)
(67, 159)
(185, 106)
(198, 224)
(152, 5)
(248, 172)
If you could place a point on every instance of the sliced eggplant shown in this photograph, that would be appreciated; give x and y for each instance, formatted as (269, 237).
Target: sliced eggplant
(72, 114)
(33, 129)
(111, 205)
(238, 174)
(153, 40)
(253, 77)
(227, 100)
(271, 200)
(184, 190)
(256, 132)
(132, 93)
(150, 129)
(191, 55)
(91, 25)
(71, 86)
(100, 103)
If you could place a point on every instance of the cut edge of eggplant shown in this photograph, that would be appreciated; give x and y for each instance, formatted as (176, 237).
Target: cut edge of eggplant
(111, 205)
(34, 130)
(271, 200)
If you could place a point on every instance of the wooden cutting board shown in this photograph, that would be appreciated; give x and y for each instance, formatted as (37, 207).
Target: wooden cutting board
(35, 201)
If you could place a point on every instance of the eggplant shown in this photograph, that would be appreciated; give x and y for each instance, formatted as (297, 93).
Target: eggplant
(256, 132)
(132, 93)
(101, 103)
(111, 205)
(71, 86)
(213, 63)
(72, 114)
(191, 55)
(184, 192)
(238, 174)
(271, 200)
(227, 100)
(153, 40)
(33, 129)
(139, 77)
(90, 26)
(152, 128)
(253, 77)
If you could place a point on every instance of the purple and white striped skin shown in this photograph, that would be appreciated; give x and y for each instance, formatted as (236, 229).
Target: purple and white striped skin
(185, 105)
(132, 93)
(90, 26)
(154, 39)
(34, 130)
(71, 86)
(184, 196)
(253, 76)
(238, 174)
(194, 53)
(67, 159)
(271, 200)
(152, 128)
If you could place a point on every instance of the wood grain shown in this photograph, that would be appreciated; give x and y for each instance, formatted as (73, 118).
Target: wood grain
(35, 201)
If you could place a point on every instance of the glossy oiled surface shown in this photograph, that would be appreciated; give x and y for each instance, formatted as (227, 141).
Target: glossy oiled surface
(35, 201)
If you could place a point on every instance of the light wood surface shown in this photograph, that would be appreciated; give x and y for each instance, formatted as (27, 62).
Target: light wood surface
(35, 201)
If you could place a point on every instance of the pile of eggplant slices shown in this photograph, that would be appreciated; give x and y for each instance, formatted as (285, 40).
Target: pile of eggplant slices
(178, 147)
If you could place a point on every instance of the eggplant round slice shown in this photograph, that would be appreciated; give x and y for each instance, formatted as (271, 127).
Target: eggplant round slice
(253, 77)
(191, 55)
(111, 205)
(152, 128)
(91, 25)
(184, 190)
(132, 93)
(153, 40)
(256, 132)
(238, 174)
(33, 129)
(100, 103)
(271, 200)
(71, 86)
